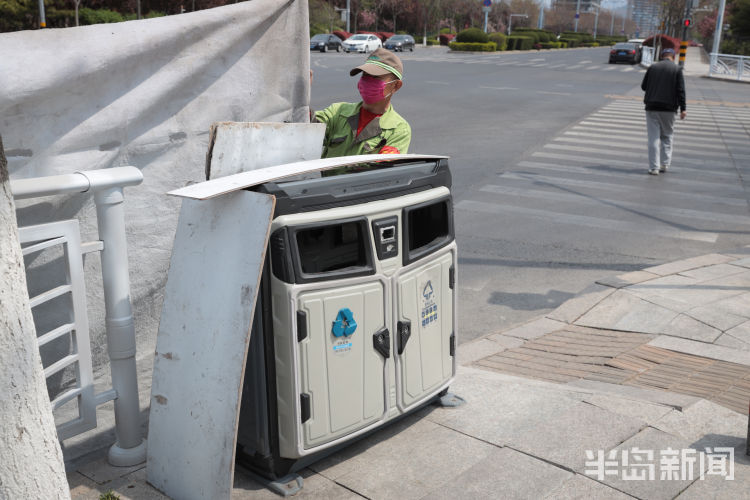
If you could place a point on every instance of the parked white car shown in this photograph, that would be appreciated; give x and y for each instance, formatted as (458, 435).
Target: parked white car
(362, 43)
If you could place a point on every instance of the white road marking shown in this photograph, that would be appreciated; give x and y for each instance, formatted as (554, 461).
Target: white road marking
(498, 88)
(551, 93)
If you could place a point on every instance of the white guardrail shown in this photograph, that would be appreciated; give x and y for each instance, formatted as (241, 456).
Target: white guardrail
(729, 65)
(107, 187)
(647, 56)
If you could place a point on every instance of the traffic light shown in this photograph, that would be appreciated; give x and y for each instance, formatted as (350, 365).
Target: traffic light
(687, 22)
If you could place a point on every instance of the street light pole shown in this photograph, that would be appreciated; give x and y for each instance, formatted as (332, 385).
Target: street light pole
(348, 15)
(719, 28)
(42, 19)
(612, 23)
(578, 14)
(596, 20)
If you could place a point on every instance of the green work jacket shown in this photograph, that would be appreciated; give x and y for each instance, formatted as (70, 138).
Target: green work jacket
(342, 120)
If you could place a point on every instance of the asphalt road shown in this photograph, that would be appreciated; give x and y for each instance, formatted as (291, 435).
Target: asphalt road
(550, 195)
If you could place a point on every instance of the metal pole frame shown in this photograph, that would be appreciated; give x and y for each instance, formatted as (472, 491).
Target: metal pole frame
(107, 186)
(578, 14)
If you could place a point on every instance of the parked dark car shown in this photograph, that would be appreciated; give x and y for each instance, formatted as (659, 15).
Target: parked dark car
(624, 52)
(325, 42)
(400, 43)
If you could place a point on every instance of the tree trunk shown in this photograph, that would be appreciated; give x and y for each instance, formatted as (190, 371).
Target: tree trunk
(77, 3)
(32, 463)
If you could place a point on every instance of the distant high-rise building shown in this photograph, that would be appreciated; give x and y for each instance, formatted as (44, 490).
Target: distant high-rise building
(586, 5)
(645, 14)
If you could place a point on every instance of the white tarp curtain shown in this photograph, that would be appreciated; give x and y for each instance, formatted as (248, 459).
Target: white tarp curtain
(145, 93)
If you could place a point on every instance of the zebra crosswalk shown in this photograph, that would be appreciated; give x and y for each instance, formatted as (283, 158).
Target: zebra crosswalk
(505, 59)
(590, 181)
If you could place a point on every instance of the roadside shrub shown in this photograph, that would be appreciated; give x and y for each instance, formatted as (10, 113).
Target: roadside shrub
(433, 41)
(500, 39)
(98, 16)
(570, 42)
(551, 45)
(518, 42)
(446, 38)
(472, 35)
(589, 44)
(473, 47)
(446, 31)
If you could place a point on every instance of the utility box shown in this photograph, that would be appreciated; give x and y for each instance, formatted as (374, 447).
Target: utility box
(355, 318)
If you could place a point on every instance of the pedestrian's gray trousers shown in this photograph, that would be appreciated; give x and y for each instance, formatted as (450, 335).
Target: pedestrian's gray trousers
(660, 126)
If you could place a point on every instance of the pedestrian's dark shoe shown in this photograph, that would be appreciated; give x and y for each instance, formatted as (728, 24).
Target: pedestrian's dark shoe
(653, 171)
(663, 168)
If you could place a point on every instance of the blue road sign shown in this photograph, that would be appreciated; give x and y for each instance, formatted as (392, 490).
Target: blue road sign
(487, 3)
(578, 15)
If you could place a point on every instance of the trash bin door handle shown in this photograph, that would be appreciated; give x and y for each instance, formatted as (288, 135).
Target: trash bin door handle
(382, 342)
(404, 332)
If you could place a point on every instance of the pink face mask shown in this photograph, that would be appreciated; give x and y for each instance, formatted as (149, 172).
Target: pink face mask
(371, 89)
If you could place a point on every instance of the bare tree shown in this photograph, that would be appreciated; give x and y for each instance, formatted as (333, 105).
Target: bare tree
(32, 463)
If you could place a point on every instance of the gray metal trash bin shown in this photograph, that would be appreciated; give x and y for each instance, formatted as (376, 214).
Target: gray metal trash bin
(355, 320)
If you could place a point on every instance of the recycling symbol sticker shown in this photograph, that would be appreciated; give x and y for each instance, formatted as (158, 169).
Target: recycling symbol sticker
(344, 325)
(429, 307)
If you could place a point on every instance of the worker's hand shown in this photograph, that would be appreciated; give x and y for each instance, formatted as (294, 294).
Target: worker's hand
(683, 114)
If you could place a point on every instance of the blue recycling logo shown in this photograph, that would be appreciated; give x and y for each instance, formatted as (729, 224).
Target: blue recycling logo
(344, 324)
(427, 291)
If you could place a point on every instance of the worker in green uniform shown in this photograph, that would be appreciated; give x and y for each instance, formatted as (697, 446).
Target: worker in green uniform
(370, 126)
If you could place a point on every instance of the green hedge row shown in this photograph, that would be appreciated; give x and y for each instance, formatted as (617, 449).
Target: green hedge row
(500, 39)
(473, 47)
(472, 35)
(539, 36)
(520, 42)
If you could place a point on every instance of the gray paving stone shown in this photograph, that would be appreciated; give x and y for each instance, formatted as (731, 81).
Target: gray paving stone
(744, 262)
(727, 340)
(574, 308)
(654, 440)
(100, 471)
(701, 349)
(706, 424)
(627, 279)
(505, 341)
(718, 319)
(672, 399)
(717, 487)
(737, 305)
(689, 328)
(478, 349)
(314, 486)
(507, 471)
(534, 329)
(739, 282)
(647, 412)
(713, 272)
(684, 289)
(686, 264)
(582, 488)
(624, 311)
(544, 421)
(405, 460)
(741, 332)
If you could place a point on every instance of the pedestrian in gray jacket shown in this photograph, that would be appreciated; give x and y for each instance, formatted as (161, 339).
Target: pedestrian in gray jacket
(664, 85)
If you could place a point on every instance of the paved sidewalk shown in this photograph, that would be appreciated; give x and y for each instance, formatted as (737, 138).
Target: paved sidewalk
(546, 398)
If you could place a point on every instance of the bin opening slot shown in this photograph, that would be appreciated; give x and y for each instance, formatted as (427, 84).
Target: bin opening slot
(428, 226)
(332, 247)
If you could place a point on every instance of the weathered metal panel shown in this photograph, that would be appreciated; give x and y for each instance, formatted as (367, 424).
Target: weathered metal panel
(223, 185)
(237, 147)
(202, 343)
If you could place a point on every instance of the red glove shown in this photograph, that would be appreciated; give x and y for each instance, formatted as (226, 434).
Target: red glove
(389, 150)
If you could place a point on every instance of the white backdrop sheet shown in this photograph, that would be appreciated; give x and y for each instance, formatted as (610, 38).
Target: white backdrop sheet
(144, 93)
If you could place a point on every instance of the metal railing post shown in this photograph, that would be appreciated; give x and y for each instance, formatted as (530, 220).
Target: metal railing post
(740, 67)
(130, 447)
(712, 63)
